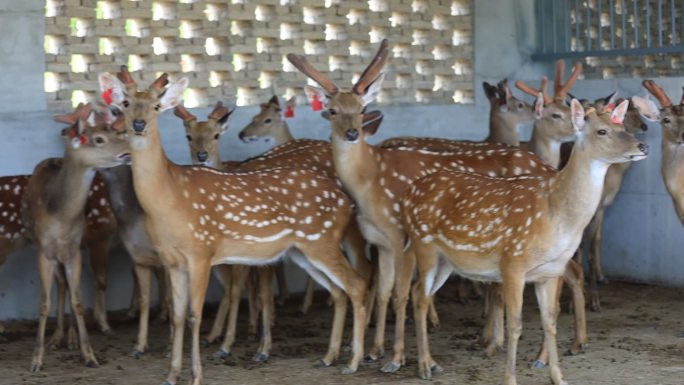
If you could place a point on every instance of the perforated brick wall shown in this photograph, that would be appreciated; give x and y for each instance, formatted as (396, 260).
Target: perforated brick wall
(234, 50)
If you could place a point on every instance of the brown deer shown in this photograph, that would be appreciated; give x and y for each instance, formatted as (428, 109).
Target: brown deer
(203, 142)
(268, 124)
(506, 113)
(512, 230)
(377, 177)
(671, 118)
(53, 211)
(199, 217)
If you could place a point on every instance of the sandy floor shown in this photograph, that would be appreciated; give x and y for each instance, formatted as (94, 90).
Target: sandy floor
(633, 341)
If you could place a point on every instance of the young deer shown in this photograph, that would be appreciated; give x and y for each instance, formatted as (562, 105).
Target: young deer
(512, 230)
(377, 177)
(269, 124)
(506, 113)
(199, 217)
(671, 118)
(53, 211)
(203, 142)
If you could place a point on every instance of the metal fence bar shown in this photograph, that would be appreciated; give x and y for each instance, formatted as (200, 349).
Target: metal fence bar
(673, 38)
(624, 25)
(636, 25)
(577, 24)
(648, 23)
(598, 25)
(553, 24)
(660, 22)
(612, 23)
(566, 18)
(587, 29)
(542, 16)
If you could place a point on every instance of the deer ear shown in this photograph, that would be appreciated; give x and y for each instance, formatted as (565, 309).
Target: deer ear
(373, 90)
(274, 100)
(618, 114)
(489, 90)
(223, 121)
(539, 106)
(577, 115)
(110, 83)
(173, 95)
(314, 94)
(647, 108)
(292, 102)
(372, 121)
(610, 99)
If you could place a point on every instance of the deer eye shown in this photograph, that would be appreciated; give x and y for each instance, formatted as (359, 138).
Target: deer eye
(157, 107)
(332, 111)
(126, 103)
(601, 132)
(520, 105)
(216, 136)
(98, 140)
(268, 121)
(556, 115)
(667, 120)
(189, 138)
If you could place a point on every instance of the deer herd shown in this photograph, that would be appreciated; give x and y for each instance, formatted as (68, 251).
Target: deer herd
(360, 219)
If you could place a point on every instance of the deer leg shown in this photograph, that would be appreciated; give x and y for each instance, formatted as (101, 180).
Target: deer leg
(199, 281)
(402, 287)
(164, 293)
(46, 270)
(433, 316)
(463, 294)
(546, 296)
(135, 298)
(574, 277)
(99, 251)
(266, 275)
(224, 273)
(543, 355)
(493, 334)
(386, 274)
(143, 275)
(179, 291)
(595, 273)
(237, 283)
(73, 269)
(254, 305)
(308, 296)
(513, 286)
(58, 275)
(283, 291)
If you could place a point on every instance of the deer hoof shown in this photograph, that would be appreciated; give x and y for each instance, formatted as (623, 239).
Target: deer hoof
(425, 374)
(260, 357)
(205, 343)
(602, 281)
(322, 364)
(36, 367)
(92, 364)
(436, 369)
(348, 370)
(538, 364)
(108, 332)
(390, 367)
(137, 354)
(222, 354)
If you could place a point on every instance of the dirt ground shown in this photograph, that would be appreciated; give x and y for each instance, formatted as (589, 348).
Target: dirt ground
(634, 340)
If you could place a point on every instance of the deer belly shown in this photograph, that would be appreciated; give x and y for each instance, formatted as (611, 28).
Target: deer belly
(551, 269)
(476, 268)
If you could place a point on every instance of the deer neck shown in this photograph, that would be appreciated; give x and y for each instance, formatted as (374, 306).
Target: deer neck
(68, 192)
(672, 166)
(151, 169)
(501, 129)
(283, 135)
(357, 166)
(545, 147)
(214, 161)
(119, 182)
(576, 192)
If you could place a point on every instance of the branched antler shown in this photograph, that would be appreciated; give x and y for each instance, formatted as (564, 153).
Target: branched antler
(127, 79)
(561, 89)
(658, 93)
(184, 114)
(534, 91)
(82, 111)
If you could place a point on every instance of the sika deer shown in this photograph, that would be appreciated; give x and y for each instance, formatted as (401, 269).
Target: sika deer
(377, 177)
(512, 230)
(53, 211)
(671, 117)
(268, 124)
(198, 217)
(203, 140)
(506, 113)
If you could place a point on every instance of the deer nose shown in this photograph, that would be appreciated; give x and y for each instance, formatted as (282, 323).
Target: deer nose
(241, 135)
(644, 127)
(643, 147)
(202, 156)
(139, 125)
(352, 134)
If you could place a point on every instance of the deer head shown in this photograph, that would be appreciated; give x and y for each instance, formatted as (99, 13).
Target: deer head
(633, 122)
(552, 112)
(346, 109)
(95, 137)
(203, 136)
(501, 99)
(269, 123)
(671, 116)
(141, 108)
(603, 134)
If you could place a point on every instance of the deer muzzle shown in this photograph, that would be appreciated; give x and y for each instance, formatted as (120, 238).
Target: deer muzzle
(352, 134)
(139, 125)
(202, 156)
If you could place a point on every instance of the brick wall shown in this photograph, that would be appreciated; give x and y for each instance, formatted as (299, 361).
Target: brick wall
(234, 50)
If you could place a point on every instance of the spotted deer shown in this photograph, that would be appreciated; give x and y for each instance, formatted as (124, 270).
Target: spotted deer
(53, 211)
(203, 139)
(506, 113)
(512, 230)
(377, 177)
(671, 118)
(268, 124)
(199, 217)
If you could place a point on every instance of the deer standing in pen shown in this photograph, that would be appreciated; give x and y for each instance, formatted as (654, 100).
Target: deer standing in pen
(203, 142)
(377, 177)
(199, 217)
(53, 211)
(512, 230)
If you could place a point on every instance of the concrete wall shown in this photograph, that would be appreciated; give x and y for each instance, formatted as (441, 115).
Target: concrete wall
(642, 234)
